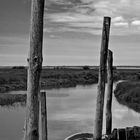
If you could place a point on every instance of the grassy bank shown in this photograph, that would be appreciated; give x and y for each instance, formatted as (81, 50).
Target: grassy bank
(11, 99)
(128, 93)
(16, 79)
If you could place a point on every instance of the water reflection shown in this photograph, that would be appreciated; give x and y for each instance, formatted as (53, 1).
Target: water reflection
(70, 110)
(11, 123)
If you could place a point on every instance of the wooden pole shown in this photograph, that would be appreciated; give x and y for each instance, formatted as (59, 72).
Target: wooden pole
(109, 93)
(34, 70)
(43, 115)
(101, 81)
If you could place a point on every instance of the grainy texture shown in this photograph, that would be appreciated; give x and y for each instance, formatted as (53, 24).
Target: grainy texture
(34, 70)
(43, 115)
(101, 81)
(109, 92)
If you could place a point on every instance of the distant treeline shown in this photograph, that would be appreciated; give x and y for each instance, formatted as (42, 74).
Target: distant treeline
(78, 67)
(18, 67)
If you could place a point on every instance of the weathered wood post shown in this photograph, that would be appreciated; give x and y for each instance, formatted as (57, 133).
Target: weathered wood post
(34, 70)
(109, 93)
(43, 115)
(101, 81)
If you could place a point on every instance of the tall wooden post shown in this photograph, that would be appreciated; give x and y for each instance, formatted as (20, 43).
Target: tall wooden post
(109, 93)
(101, 81)
(43, 115)
(34, 70)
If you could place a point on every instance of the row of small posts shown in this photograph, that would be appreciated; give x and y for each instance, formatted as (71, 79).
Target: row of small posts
(34, 69)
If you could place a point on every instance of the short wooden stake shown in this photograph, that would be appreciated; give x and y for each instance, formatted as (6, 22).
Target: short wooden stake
(101, 81)
(43, 116)
(109, 93)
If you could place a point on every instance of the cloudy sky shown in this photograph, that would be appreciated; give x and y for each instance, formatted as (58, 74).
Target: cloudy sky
(72, 31)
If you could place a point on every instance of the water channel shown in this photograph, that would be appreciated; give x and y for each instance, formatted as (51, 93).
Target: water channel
(70, 110)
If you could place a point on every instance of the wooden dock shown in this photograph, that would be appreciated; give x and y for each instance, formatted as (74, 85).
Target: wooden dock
(128, 133)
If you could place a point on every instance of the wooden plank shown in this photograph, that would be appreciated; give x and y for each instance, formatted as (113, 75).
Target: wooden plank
(101, 81)
(112, 136)
(109, 93)
(43, 116)
(136, 131)
(129, 133)
(114, 133)
(121, 134)
(34, 70)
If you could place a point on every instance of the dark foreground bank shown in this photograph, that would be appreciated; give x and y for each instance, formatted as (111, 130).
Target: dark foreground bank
(128, 93)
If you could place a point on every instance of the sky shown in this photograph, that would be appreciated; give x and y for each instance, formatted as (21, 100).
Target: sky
(72, 31)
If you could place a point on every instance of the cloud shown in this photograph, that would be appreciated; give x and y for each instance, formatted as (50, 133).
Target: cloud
(87, 15)
(118, 19)
(125, 2)
(136, 23)
(121, 24)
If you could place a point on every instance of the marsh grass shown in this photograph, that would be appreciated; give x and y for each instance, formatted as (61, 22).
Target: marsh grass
(11, 99)
(15, 79)
(128, 93)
